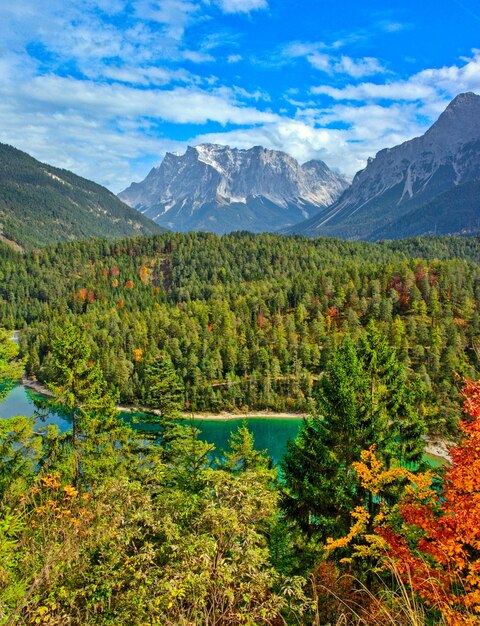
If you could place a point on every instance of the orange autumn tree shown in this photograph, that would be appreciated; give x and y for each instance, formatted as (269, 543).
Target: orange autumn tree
(364, 542)
(439, 554)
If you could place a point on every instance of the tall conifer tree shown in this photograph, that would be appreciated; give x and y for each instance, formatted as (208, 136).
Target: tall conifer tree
(80, 388)
(364, 398)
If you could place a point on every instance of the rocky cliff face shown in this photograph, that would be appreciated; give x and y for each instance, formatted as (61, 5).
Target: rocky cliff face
(399, 181)
(220, 189)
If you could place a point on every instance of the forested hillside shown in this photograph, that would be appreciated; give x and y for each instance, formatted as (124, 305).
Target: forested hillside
(101, 525)
(250, 322)
(41, 204)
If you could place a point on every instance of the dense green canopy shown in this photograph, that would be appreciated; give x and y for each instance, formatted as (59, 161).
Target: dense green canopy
(250, 321)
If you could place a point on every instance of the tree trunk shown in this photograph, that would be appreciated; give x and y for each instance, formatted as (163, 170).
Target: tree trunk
(75, 448)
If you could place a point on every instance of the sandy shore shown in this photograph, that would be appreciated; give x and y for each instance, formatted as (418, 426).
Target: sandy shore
(439, 447)
(36, 386)
(253, 414)
(222, 416)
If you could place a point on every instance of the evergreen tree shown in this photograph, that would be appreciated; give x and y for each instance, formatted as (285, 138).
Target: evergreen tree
(11, 368)
(317, 493)
(242, 456)
(20, 446)
(188, 457)
(363, 399)
(163, 392)
(392, 405)
(80, 388)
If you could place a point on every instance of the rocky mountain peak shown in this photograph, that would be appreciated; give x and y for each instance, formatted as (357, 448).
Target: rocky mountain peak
(221, 188)
(459, 123)
(403, 179)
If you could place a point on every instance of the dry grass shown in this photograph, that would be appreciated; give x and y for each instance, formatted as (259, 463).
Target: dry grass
(391, 605)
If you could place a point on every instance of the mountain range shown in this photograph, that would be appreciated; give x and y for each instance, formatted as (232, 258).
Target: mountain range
(41, 204)
(222, 189)
(428, 185)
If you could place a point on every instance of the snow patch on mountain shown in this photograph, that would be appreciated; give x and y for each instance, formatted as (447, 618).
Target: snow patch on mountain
(199, 188)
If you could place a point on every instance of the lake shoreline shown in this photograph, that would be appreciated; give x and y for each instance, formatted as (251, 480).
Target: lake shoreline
(439, 448)
(223, 415)
(435, 447)
(30, 383)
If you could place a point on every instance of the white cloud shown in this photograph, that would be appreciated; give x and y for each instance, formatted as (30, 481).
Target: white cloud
(81, 36)
(198, 57)
(392, 27)
(149, 75)
(242, 6)
(175, 15)
(299, 139)
(98, 98)
(396, 90)
(356, 68)
(319, 55)
(181, 105)
(427, 85)
(370, 129)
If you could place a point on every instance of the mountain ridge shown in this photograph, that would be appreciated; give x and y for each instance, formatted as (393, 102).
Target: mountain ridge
(404, 178)
(41, 204)
(219, 188)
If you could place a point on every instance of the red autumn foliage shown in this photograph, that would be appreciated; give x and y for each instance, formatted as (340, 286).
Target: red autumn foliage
(440, 556)
(332, 312)
(398, 285)
(129, 284)
(334, 592)
(420, 273)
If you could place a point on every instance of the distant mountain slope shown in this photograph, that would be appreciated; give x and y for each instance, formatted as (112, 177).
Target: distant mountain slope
(456, 212)
(41, 204)
(221, 189)
(424, 185)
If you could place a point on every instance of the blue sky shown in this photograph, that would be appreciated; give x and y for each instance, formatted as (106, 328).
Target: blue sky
(106, 87)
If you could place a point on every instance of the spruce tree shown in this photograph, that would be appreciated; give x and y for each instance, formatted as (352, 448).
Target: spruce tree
(11, 368)
(79, 387)
(363, 398)
(242, 456)
(20, 446)
(164, 393)
(163, 390)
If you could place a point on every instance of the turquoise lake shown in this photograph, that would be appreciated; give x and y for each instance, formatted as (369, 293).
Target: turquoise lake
(270, 434)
